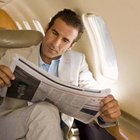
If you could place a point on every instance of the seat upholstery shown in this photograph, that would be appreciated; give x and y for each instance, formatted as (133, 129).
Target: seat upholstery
(27, 38)
(18, 39)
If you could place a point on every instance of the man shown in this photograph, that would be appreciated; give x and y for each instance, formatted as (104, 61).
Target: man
(41, 121)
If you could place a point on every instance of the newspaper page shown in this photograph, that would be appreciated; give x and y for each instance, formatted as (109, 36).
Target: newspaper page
(35, 85)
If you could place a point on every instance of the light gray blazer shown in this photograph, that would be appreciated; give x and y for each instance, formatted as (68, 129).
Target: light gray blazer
(72, 69)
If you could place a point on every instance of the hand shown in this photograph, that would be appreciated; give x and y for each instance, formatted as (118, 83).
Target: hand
(110, 110)
(6, 76)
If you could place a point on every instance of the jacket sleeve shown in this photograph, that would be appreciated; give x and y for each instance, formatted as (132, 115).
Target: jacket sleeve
(10, 103)
(86, 80)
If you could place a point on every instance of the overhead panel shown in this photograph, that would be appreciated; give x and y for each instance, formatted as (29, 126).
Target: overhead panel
(4, 2)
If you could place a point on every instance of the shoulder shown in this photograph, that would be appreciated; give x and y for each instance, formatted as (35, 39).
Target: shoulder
(74, 56)
(74, 53)
(25, 52)
(22, 51)
(10, 53)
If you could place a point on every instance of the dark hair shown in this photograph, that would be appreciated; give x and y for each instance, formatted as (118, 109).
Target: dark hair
(70, 18)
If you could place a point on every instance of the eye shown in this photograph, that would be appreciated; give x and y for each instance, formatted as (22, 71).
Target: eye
(54, 32)
(65, 40)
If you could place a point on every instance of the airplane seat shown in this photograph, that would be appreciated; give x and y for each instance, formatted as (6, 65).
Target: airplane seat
(18, 39)
(90, 132)
(26, 38)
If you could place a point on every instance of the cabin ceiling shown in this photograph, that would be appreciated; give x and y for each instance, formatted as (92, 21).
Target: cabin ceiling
(4, 2)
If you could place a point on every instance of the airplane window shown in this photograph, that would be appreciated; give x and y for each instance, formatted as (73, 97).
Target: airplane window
(38, 26)
(19, 25)
(27, 25)
(100, 38)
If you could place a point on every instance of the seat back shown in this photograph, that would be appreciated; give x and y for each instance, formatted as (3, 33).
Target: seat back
(18, 39)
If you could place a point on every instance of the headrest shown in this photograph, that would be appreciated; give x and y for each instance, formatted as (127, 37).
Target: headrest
(19, 38)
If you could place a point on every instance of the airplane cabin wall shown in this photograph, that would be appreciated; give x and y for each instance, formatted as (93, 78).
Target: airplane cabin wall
(123, 21)
(6, 21)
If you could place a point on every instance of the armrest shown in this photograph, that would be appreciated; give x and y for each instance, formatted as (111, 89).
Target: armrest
(115, 131)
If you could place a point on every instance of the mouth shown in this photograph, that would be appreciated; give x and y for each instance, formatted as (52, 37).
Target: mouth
(51, 50)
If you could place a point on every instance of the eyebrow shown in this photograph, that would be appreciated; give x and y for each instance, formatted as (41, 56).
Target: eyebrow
(58, 34)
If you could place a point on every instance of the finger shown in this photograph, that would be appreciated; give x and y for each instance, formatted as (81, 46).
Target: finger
(111, 117)
(4, 80)
(110, 105)
(110, 111)
(6, 70)
(6, 76)
(1, 83)
(107, 99)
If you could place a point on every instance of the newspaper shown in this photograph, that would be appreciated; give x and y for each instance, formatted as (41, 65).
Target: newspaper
(35, 85)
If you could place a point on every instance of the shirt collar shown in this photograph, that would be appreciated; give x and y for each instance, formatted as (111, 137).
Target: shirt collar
(42, 62)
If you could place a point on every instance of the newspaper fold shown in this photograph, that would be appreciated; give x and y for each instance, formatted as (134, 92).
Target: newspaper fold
(35, 85)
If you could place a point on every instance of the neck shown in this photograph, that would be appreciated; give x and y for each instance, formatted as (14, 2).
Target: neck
(46, 59)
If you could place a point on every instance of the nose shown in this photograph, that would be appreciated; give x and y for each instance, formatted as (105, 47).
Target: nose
(56, 42)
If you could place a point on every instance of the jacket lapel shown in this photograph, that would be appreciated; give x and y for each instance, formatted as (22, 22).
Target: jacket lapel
(35, 55)
(64, 68)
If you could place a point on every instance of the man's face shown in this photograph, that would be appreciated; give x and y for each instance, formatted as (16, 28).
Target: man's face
(57, 40)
